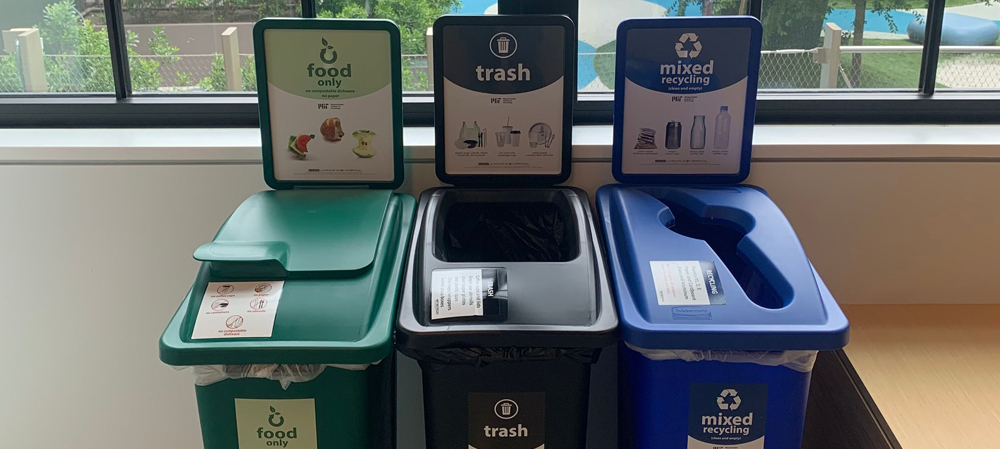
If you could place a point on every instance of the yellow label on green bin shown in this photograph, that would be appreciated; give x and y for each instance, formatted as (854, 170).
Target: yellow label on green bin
(276, 423)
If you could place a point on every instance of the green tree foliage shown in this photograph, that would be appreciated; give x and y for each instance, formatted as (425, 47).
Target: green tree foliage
(10, 77)
(216, 80)
(793, 23)
(156, 11)
(413, 17)
(60, 28)
(78, 56)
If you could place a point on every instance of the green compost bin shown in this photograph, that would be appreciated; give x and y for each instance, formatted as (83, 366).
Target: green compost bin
(288, 326)
(324, 377)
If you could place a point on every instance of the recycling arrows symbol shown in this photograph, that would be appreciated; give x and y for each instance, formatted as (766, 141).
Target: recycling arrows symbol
(721, 400)
(685, 38)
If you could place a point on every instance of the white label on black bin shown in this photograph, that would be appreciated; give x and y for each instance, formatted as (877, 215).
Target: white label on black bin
(727, 416)
(456, 293)
(506, 420)
(686, 283)
(237, 310)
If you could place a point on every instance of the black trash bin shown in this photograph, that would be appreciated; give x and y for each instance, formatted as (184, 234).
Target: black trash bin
(506, 301)
(519, 374)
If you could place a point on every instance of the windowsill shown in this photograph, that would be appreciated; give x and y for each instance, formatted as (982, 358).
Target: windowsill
(591, 144)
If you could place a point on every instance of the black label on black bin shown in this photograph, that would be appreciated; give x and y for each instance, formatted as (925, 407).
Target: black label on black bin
(506, 420)
(727, 416)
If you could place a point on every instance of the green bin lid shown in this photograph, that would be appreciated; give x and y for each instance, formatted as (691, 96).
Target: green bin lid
(302, 230)
(339, 257)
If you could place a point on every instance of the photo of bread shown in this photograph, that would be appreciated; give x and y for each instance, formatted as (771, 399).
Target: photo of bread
(331, 129)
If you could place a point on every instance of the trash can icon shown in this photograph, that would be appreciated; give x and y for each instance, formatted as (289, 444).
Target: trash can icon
(507, 409)
(503, 45)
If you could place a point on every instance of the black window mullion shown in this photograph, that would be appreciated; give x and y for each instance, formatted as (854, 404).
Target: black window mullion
(119, 48)
(756, 6)
(309, 9)
(932, 46)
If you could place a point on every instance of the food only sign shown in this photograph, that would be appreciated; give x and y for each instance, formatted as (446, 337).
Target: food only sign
(329, 100)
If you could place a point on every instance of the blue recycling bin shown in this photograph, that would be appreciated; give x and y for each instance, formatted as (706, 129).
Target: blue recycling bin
(722, 316)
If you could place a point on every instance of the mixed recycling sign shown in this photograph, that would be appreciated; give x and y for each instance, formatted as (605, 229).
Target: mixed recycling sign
(684, 96)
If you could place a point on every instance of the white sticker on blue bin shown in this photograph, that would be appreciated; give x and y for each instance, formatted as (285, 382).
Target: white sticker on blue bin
(456, 293)
(686, 283)
(238, 310)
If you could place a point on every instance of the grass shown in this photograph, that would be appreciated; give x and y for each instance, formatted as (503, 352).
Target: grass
(906, 4)
(878, 70)
(886, 70)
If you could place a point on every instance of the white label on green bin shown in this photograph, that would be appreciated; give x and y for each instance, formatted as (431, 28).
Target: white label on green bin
(456, 293)
(727, 416)
(237, 310)
(686, 283)
(276, 423)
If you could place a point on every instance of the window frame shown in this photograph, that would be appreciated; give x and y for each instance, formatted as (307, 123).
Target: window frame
(125, 108)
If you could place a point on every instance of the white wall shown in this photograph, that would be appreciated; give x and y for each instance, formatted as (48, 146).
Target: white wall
(96, 258)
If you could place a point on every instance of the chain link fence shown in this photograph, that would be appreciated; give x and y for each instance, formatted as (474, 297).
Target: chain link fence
(969, 70)
(800, 69)
(10, 74)
(789, 69)
(958, 68)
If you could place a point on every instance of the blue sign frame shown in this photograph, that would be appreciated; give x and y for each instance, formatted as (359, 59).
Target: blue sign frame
(753, 73)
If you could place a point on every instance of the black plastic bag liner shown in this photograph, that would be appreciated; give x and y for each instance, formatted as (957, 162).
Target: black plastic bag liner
(511, 231)
(484, 356)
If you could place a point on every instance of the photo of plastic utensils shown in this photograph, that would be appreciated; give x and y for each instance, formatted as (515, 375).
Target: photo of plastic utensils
(548, 143)
(507, 130)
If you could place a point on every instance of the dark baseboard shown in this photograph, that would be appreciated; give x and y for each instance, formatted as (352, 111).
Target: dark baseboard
(841, 412)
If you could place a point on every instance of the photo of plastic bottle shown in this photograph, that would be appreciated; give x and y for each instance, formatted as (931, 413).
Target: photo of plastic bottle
(722, 121)
(698, 133)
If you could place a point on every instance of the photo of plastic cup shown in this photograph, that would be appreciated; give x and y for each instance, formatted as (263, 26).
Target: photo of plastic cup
(507, 130)
(515, 138)
(533, 139)
(501, 138)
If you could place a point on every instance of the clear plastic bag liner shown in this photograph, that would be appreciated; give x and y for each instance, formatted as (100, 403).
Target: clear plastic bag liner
(284, 374)
(515, 232)
(484, 356)
(801, 361)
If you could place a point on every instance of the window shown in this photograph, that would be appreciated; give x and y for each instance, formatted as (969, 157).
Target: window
(195, 46)
(972, 61)
(190, 62)
(55, 47)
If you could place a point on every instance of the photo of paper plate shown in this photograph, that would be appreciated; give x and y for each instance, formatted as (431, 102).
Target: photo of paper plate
(540, 134)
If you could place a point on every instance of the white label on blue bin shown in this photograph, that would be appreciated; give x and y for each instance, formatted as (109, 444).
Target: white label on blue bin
(727, 416)
(686, 283)
(276, 423)
(238, 310)
(456, 293)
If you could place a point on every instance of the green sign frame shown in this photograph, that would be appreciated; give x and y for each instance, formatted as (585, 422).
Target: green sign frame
(264, 104)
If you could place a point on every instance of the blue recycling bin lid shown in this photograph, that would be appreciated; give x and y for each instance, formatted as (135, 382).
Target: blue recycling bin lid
(713, 268)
